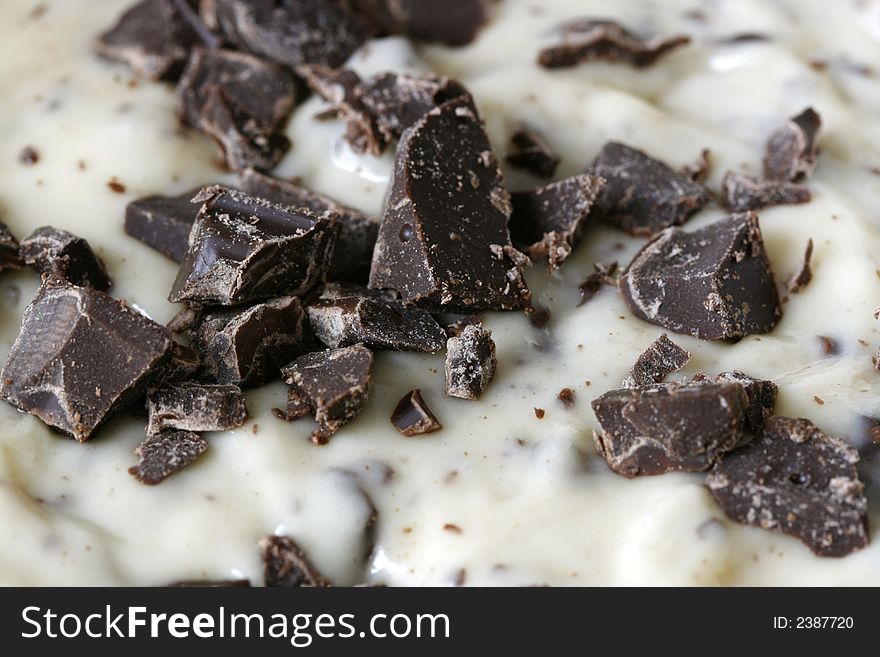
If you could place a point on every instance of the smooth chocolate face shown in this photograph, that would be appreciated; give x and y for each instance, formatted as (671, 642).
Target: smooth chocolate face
(163, 222)
(412, 417)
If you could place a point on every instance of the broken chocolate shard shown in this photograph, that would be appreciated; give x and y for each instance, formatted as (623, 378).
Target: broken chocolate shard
(550, 219)
(699, 171)
(585, 40)
(760, 393)
(642, 195)
(345, 315)
(713, 283)
(669, 426)
(796, 480)
(453, 324)
(740, 192)
(163, 454)
(80, 356)
(296, 408)
(61, 254)
(9, 250)
(182, 365)
(163, 222)
(659, 360)
(248, 347)
(334, 383)
(443, 243)
(452, 22)
(195, 407)
(185, 318)
(470, 362)
(604, 273)
(286, 565)
(792, 150)
(412, 417)
(802, 277)
(243, 249)
(529, 151)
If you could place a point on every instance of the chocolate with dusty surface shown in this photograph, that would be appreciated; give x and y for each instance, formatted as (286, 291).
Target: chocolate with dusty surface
(9, 255)
(529, 151)
(286, 565)
(61, 254)
(470, 362)
(740, 192)
(802, 277)
(712, 283)
(792, 150)
(163, 454)
(412, 417)
(452, 22)
(191, 406)
(795, 479)
(761, 395)
(163, 222)
(659, 360)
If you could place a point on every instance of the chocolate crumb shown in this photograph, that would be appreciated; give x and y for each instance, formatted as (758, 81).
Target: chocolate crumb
(660, 359)
(167, 452)
(116, 186)
(286, 565)
(449, 527)
(29, 156)
(539, 413)
(566, 396)
(801, 278)
(818, 400)
(412, 417)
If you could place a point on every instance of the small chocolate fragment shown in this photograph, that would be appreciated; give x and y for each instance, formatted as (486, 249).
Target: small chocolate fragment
(802, 277)
(195, 407)
(713, 283)
(412, 417)
(792, 150)
(453, 324)
(163, 222)
(699, 171)
(585, 40)
(248, 347)
(334, 383)
(603, 274)
(58, 253)
(9, 250)
(451, 22)
(539, 413)
(210, 583)
(566, 396)
(29, 156)
(165, 453)
(182, 365)
(659, 360)
(761, 395)
(80, 356)
(186, 318)
(243, 248)
(741, 192)
(529, 151)
(443, 242)
(297, 407)
(642, 195)
(345, 315)
(795, 479)
(286, 565)
(669, 426)
(470, 362)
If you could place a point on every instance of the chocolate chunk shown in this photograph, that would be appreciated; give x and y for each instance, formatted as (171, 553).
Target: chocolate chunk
(539, 413)
(796, 480)
(152, 38)
(550, 219)
(659, 360)
(566, 396)
(345, 315)
(470, 362)
(58, 253)
(80, 356)
(699, 171)
(357, 231)
(195, 407)
(603, 274)
(334, 383)
(452, 22)
(761, 395)
(642, 195)
(669, 427)
(182, 365)
(529, 151)
(712, 283)
(9, 250)
(186, 318)
(243, 248)
(163, 222)
(412, 417)
(210, 583)
(802, 277)
(443, 242)
(165, 453)
(249, 346)
(741, 193)
(297, 407)
(286, 565)
(585, 40)
(792, 150)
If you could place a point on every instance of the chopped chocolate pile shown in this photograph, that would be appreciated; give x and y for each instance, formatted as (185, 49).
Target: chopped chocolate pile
(585, 40)
(669, 427)
(79, 356)
(713, 283)
(802, 277)
(549, 220)
(470, 362)
(792, 150)
(412, 417)
(443, 242)
(642, 195)
(195, 407)
(761, 395)
(163, 222)
(9, 250)
(345, 315)
(243, 248)
(286, 565)
(452, 22)
(604, 273)
(795, 479)
(248, 347)
(659, 360)
(163, 454)
(334, 384)
(529, 151)
(61, 254)
(741, 192)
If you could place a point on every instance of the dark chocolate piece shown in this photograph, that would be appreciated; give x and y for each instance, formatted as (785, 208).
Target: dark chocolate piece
(566, 396)
(243, 248)
(470, 362)
(186, 318)
(297, 407)
(210, 583)
(761, 395)
(452, 22)
(699, 171)
(603, 274)
(659, 360)
(443, 242)
(642, 195)
(585, 40)
(165, 453)
(58, 253)
(334, 383)
(712, 283)
(741, 192)
(286, 565)
(163, 222)
(529, 151)
(453, 324)
(669, 426)
(802, 277)
(796, 480)
(182, 365)
(412, 417)
(550, 219)
(792, 150)
(9, 250)
(195, 407)
(248, 347)
(80, 356)
(29, 156)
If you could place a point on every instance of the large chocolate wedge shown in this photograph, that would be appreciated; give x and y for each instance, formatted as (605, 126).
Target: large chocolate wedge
(443, 242)
(163, 222)
(64, 255)
(713, 283)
